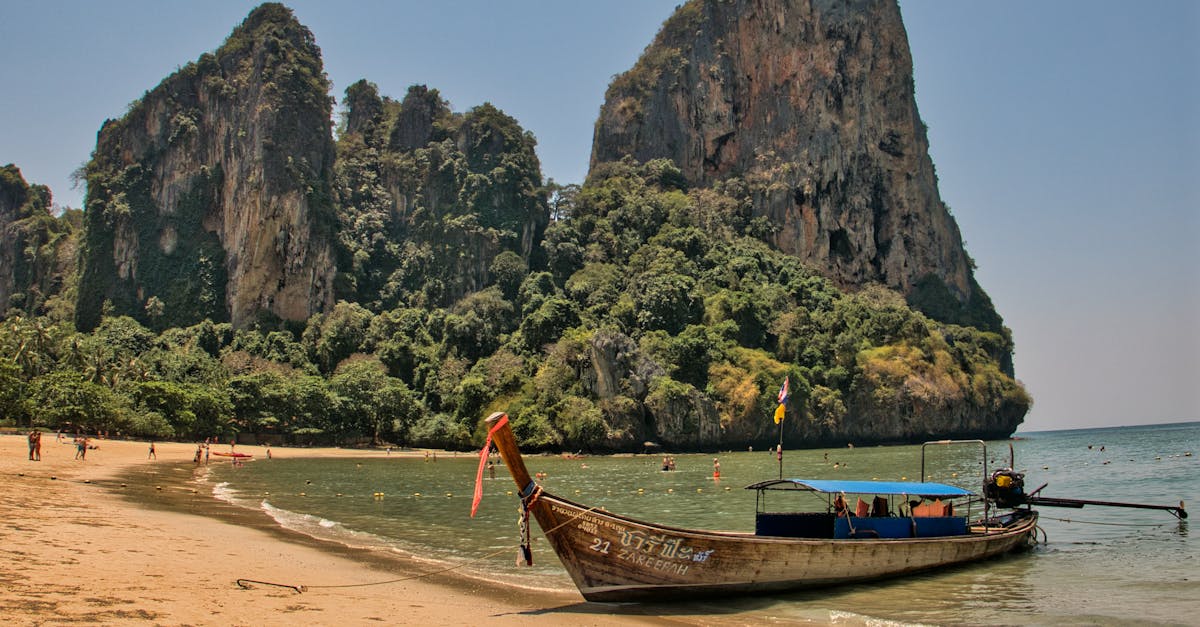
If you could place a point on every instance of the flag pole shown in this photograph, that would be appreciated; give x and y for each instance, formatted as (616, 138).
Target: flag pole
(779, 450)
(779, 411)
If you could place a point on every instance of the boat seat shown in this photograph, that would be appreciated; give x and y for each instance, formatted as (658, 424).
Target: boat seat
(931, 510)
(879, 507)
(862, 510)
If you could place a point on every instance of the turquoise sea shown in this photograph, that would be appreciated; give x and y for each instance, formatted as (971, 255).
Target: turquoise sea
(1099, 565)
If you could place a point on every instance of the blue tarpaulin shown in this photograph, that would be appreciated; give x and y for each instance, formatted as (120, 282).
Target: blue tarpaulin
(831, 486)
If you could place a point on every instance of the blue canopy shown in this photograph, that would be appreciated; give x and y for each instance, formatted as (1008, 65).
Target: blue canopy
(832, 486)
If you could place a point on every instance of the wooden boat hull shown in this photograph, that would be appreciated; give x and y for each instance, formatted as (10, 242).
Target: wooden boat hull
(616, 558)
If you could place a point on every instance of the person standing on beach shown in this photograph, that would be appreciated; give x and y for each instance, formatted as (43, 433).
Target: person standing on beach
(32, 443)
(37, 446)
(152, 454)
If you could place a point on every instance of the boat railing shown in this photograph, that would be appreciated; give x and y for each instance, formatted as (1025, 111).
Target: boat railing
(983, 483)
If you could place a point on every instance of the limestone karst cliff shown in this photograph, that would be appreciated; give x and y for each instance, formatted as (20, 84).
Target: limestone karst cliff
(211, 198)
(757, 151)
(426, 193)
(810, 103)
(37, 249)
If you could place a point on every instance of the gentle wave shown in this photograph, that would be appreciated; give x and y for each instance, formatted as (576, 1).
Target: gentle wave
(323, 528)
(222, 492)
(841, 617)
(326, 530)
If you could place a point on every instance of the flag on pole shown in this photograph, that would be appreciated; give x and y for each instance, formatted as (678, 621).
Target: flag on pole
(782, 398)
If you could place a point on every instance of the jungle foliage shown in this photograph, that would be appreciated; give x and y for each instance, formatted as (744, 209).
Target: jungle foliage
(635, 266)
(597, 316)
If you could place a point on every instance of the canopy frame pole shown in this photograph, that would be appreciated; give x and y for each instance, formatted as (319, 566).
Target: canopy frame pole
(983, 485)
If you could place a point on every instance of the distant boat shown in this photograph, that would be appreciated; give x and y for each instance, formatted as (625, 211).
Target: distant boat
(234, 455)
(616, 558)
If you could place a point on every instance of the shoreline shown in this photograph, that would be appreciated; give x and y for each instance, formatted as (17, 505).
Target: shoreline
(119, 538)
(187, 489)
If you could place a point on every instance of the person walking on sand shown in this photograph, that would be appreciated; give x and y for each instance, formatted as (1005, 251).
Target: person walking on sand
(152, 454)
(37, 446)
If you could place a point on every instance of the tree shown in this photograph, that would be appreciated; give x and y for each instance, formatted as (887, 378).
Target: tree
(547, 324)
(332, 337)
(372, 402)
(12, 393)
(188, 410)
(474, 326)
(508, 270)
(580, 422)
(61, 400)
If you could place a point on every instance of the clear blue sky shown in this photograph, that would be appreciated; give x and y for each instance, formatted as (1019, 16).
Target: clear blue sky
(1066, 137)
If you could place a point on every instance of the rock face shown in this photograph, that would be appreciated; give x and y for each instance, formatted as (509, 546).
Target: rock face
(810, 103)
(641, 404)
(14, 197)
(212, 195)
(425, 192)
(37, 250)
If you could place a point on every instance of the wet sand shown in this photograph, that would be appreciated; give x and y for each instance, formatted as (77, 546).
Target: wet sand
(119, 538)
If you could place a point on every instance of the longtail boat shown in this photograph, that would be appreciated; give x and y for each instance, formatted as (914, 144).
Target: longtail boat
(906, 527)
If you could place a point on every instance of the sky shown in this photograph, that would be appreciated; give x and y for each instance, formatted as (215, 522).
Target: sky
(1066, 137)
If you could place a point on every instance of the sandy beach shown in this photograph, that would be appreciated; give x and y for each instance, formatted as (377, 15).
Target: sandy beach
(119, 539)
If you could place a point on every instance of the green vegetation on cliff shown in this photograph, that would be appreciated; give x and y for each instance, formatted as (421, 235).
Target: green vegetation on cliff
(37, 248)
(173, 184)
(632, 308)
(653, 316)
(433, 203)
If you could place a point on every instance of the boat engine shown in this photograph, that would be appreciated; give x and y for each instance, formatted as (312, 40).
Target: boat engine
(1006, 487)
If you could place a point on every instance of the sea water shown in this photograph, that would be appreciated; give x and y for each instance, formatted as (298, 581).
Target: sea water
(1097, 565)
